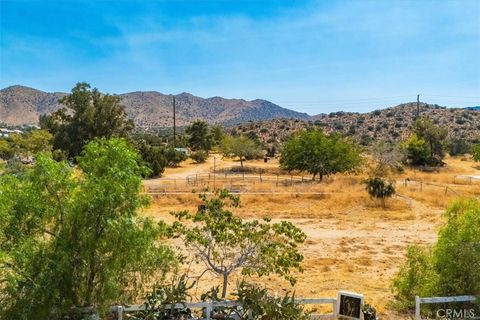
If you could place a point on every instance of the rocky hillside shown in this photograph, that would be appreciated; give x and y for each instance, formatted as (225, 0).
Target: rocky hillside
(386, 124)
(21, 105)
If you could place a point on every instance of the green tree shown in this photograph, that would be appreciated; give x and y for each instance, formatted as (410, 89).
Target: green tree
(217, 135)
(88, 114)
(434, 136)
(226, 243)
(476, 152)
(415, 151)
(199, 136)
(152, 152)
(74, 239)
(320, 154)
(241, 147)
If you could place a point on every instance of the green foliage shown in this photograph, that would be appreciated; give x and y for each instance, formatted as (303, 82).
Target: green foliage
(217, 135)
(241, 147)
(379, 188)
(199, 136)
(320, 154)
(451, 268)
(6, 151)
(199, 156)
(427, 144)
(476, 152)
(416, 277)
(173, 156)
(26, 144)
(416, 151)
(88, 114)
(226, 243)
(264, 306)
(457, 252)
(152, 152)
(72, 239)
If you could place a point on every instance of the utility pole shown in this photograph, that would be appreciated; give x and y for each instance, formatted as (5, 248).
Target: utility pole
(174, 124)
(418, 105)
(214, 172)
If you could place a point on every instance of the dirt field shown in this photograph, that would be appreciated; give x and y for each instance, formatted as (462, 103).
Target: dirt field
(353, 243)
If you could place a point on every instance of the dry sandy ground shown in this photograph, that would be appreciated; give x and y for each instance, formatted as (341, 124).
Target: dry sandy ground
(353, 243)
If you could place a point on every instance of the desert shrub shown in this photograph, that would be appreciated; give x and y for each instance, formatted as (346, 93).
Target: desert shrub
(380, 189)
(458, 147)
(366, 140)
(199, 156)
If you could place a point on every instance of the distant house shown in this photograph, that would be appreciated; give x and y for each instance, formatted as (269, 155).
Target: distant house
(4, 132)
(183, 150)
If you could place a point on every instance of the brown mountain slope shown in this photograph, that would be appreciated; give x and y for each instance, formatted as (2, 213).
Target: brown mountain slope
(386, 124)
(21, 105)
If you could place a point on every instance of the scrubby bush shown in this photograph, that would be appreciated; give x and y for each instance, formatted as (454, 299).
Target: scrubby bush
(380, 189)
(199, 156)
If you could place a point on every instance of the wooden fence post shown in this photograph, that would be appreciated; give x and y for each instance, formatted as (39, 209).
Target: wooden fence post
(417, 308)
(208, 311)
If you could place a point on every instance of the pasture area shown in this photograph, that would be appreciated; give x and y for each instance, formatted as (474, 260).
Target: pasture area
(353, 243)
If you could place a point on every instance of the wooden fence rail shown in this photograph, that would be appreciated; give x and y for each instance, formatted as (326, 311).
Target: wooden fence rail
(430, 300)
(209, 307)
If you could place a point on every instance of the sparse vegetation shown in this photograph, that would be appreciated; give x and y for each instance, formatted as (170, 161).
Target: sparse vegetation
(226, 243)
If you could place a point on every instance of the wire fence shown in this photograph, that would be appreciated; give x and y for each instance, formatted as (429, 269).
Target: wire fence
(237, 183)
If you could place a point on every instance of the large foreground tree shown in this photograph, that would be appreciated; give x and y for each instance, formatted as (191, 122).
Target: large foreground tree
(320, 154)
(88, 114)
(73, 238)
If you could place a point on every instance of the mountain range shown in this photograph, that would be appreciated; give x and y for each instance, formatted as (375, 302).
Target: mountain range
(21, 105)
(151, 110)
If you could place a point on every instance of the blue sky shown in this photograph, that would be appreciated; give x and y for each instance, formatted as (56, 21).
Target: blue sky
(310, 56)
